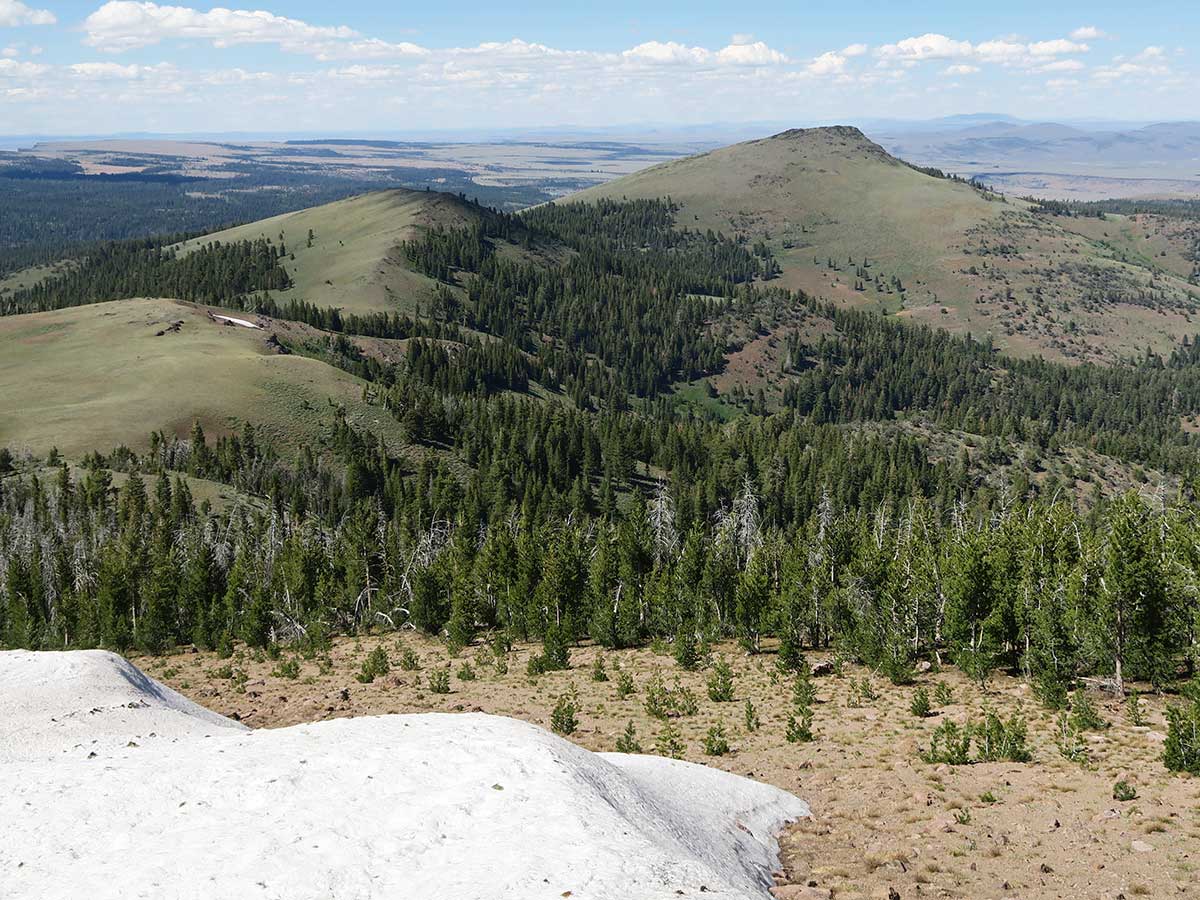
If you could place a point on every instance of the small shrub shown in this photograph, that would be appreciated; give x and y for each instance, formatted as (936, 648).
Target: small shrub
(1181, 751)
(988, 797)
(669, 743)
(963, 817)
(537, 665)
(556, 649)
(625, 685)
(804, 693)
(949, 744)
(663, 702)
(942, 694)
(375, 665)
(750, 717)
(684, 701)
(1050, 687)
(500, 665)
(790, 658)
(920, 706)
(225, 646)
(686, 655)
(1124, 791)
(865, 691)
(409, 661)
(997, 740)
(599, 673)
(563, 718)
(1084, 715)
(799, 726)
(465, 672)
(1071, 745)
(289, 668)
(501, 644)
(439, 681)
(657, 703)
(1137, 714)
(628, 741)
(715, 743)
(720, 683)
(899, 669)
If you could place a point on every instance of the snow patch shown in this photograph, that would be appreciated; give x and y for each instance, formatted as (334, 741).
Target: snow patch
(112, 785)
(233, 321)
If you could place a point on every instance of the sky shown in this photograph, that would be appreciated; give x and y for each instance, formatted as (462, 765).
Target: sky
(78, 67)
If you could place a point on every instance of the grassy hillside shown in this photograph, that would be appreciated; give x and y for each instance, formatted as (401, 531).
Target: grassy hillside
(353, 260)
(851, 223)
(98, 376)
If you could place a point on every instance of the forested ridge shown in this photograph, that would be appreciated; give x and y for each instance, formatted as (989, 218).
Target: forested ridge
(746, 545)
(595, 509)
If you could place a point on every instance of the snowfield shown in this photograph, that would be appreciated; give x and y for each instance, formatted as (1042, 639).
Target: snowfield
(112, 785)
(233, 321)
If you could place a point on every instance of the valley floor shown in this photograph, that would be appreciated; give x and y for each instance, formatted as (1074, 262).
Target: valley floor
(884, 824)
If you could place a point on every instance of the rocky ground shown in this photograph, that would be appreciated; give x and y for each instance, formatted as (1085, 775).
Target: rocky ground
(885, 824)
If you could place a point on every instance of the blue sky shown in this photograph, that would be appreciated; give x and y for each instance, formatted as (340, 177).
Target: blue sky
(282, 65)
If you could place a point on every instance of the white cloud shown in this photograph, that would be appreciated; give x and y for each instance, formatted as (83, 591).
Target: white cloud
(927, 46)
(1062, 65)
(1087, 33)
(667, 52)
(126, 25)
(97, 71)
(1058, 47)
(1149, 64)
(756, 53)
(854, 50)
(961, 69)
(1006, 51)
(10, 53)
(831, 63)
(12, 68)
(14, 13)
(367, 48)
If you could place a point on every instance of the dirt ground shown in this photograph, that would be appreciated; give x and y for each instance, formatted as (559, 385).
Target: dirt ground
(885, 824)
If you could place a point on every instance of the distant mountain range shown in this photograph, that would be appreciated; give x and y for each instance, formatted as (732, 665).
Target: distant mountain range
(1082, 160)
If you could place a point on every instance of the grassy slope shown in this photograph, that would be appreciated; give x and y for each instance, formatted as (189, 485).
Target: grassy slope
(829, 192)
(98, 376)
(354, 262)
(25, 278)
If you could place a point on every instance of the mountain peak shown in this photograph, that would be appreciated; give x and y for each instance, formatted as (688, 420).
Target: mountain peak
(844, 132)
(836, 138)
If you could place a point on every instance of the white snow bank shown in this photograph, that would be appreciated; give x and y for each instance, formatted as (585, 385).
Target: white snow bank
(420, 806)
(241, 322)
(76, 703)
